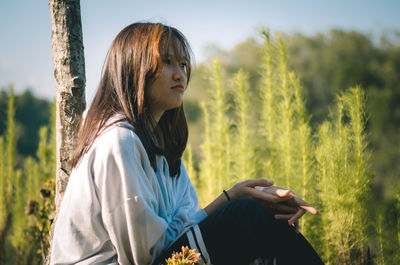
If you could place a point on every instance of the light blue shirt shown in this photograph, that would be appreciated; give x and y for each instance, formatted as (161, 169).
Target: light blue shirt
(117, 209)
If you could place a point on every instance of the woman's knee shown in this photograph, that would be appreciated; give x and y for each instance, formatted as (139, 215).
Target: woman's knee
(238, 216)
(245, 214)
(239, 227)
(245, 206)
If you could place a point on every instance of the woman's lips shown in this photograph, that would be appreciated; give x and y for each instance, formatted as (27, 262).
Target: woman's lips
(178, 87)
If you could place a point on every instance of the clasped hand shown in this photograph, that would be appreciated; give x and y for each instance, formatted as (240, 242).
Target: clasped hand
(282, 203)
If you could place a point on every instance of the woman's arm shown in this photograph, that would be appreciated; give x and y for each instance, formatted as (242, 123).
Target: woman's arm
(282, 203)
(214, 205)
(135, 211)
(244, 189)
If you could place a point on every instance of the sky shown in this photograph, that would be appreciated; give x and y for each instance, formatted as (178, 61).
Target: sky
(25, 29)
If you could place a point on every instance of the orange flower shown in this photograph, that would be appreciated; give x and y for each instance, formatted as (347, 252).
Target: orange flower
(186, 257)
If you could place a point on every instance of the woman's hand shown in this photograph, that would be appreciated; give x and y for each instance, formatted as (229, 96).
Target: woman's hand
(294, 200)
(272, 199)
(273, 202)
(280, 202)
(244, 189)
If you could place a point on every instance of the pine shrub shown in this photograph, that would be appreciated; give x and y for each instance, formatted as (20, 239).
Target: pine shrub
(328, 167)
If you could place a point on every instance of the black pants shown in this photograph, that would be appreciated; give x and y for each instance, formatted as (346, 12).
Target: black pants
(241, 231)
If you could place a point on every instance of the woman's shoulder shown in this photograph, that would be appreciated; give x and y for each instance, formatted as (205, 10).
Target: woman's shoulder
(117, 144)
(115, 128)
(118, 135)
(115, 133)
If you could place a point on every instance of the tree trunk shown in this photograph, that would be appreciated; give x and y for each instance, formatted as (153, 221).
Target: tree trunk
(69, 72)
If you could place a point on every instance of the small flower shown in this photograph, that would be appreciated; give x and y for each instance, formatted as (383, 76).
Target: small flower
(186, 257)
(45, 193)
(32, 207)
(177, 255)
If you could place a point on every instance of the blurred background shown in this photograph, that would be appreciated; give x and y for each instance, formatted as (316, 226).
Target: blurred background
(330, 45)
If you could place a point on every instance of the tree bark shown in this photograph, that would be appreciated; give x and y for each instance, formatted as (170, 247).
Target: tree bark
(69, 72)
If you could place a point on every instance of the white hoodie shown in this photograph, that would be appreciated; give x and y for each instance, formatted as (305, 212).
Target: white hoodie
(117, 209)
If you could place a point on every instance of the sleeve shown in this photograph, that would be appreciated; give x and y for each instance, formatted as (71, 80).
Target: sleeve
(189, 202)
(186, 213)
(125, 183)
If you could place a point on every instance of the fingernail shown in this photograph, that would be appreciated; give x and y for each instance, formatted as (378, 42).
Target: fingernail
(283, 193)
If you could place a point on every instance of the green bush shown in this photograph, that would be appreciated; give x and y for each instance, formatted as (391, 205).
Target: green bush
(273, 139)
(27, 196)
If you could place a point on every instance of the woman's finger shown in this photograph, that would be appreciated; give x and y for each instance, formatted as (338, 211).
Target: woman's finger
(310, 209)
(288, 196)
(267, 197)
(282, 192)
(302, 204)
(296, 216)
(262, 196)
(284, 217)
(258, 182)
(297, 226)
(283, 208)
(288, 217)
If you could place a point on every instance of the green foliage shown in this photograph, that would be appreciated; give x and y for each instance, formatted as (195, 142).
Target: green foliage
(206, 165)
(26, 208)
(11, 147)
(8, 178)
(31, 113)
(398, 227)
(286, 121)
(330, 64)
(381, 258)
(385, 247)
(188, 162)
(268, 113)
(327, 63)
(343, 164)
(305, 161)
(244, 159)
(43, 216)
(216, 166)
(329, 167)
(2, 182)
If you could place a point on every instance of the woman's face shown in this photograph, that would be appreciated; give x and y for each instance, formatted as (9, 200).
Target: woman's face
(166, 90)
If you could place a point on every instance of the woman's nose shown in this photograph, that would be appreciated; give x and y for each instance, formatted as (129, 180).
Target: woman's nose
(179, 74)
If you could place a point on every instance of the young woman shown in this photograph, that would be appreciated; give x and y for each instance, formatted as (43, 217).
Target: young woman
(129, 199)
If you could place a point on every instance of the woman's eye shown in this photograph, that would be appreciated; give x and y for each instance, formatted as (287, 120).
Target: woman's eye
(166, 61)
(183, 65)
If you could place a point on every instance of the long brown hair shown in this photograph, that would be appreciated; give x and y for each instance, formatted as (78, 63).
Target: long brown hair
(133, 61)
